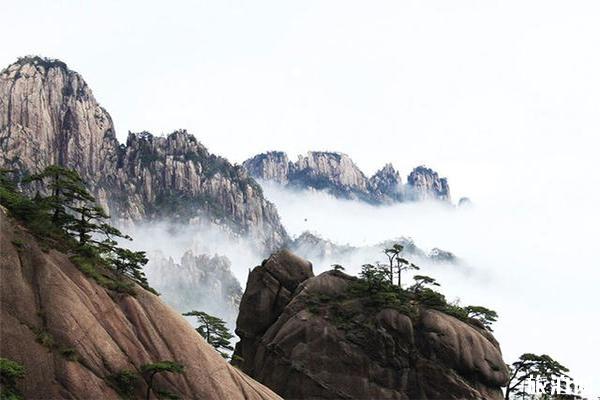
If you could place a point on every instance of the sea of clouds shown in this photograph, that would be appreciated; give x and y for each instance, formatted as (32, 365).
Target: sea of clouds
(532, 260)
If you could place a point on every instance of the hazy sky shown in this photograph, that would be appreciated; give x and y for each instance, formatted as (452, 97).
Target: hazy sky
(503, 97)
(487, 92)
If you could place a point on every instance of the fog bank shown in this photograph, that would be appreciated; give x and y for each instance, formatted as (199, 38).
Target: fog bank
(531, 258)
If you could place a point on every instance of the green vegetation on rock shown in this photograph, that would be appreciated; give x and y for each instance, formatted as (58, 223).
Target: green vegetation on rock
(379, 286)
(214, 330)
(10, 372)
(150, 370)
(65, 216)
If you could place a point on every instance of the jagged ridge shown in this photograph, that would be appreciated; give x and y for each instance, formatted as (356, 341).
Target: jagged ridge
(340, 176)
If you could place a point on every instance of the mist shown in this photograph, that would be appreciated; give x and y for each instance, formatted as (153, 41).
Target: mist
(209, 284)
(527, 255)
(530, 257)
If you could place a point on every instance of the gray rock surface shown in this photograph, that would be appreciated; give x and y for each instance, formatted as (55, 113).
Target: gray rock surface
(303, 346)
(337, 174)
(424, 183)
(91, 333)
(48, 115)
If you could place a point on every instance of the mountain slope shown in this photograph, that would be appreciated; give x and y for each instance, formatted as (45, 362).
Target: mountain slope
(48, 115)
(337, 174)
(72, 335)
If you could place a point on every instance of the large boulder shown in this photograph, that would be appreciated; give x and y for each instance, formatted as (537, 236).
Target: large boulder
(269, 289)
(312, 346)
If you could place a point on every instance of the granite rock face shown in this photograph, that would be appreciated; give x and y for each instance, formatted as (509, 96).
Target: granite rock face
(337, 174)
(426, 184)
(48, 115)
(303, 349)
(386, 185)
(73, 335)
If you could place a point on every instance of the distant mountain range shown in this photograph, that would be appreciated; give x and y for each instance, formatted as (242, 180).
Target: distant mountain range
(48, 115)
(337, 174)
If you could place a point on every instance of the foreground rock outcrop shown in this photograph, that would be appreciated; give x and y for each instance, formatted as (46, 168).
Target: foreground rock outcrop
(48, 115)
(304, 347)
(337, 174)
(73, 335)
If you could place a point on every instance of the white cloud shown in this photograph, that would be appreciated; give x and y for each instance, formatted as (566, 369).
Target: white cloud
(530, 259)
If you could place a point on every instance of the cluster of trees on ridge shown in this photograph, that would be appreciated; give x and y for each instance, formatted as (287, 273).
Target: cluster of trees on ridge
(382, 284)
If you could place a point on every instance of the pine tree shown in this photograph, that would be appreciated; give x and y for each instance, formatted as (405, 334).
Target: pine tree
(214, 330)
(150, 370)
(482, 314)
(530, 365)
(67, 192)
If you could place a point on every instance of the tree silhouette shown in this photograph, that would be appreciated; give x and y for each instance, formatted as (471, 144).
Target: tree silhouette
(150, 370)
(392, 254)
(67, 190)
(403, 264)
(530, 365)
(75, 212)
(337, 267)
(482, 314)
(214, 330)
(422, 281)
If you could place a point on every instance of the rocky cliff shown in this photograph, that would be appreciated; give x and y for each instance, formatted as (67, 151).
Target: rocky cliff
(74, 336)
(337, 174)
(48, 115)
(424, 183)
(301, 342)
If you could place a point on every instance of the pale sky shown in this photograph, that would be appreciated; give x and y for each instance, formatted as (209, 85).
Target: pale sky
(502, 97)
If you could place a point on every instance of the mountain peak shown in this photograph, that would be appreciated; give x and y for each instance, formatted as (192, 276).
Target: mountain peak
(337, 174)
(39, 61)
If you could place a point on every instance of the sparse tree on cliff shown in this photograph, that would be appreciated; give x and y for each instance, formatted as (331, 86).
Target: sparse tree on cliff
(484, 315)
(67, 191)
(337, 267)
(214, 330)
(402, 265)
(531, 365)
(392, 254)
(130, 263)
(422, 281)
(150, 370)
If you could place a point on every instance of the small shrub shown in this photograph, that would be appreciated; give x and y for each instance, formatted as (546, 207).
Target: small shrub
(69, 353)
(124, 382)
(10, 371)
(44, 338)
